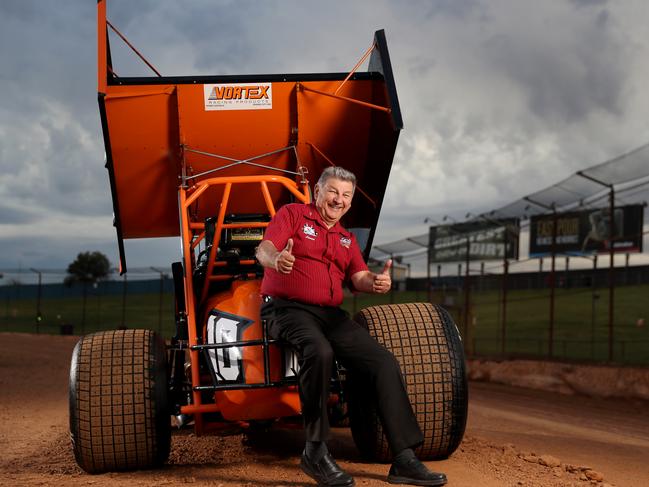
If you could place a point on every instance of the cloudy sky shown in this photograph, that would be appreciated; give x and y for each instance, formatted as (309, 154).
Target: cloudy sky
(499, 98)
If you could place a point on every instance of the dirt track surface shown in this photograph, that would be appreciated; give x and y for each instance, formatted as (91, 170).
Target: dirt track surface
(515, 437)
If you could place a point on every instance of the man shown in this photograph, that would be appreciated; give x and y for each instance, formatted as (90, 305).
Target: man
(308, 256)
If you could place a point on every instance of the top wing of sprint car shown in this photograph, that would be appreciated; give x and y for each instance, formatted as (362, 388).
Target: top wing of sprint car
(162, 133)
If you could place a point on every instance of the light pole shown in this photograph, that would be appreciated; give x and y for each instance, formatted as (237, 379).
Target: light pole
(428, 259)
(513, 230)
(39, 315)
(467, 271)
(553, 254)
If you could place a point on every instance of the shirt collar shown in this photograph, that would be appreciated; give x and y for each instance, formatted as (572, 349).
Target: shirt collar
(313, 214)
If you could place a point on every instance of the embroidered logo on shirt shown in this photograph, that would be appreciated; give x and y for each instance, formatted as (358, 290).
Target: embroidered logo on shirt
(345, 242)
(309, 231)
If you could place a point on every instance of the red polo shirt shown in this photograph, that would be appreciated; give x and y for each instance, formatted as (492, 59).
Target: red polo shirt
(325, 258)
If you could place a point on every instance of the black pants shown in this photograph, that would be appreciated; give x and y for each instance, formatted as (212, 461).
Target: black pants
(318, 334)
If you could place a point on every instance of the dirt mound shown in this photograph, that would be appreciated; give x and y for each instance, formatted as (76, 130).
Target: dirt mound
(590, 380)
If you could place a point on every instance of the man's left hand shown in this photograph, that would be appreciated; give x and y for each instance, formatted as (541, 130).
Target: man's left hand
(383, 282)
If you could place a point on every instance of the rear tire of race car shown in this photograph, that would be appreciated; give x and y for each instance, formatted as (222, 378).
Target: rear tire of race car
(119, 413)
(428, 346)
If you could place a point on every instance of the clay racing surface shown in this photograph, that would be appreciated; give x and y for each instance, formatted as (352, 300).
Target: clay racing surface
(515, 437)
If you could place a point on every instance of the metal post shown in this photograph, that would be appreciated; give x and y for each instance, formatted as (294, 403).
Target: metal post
(98, 305)
(124, 287)
(8, 300)
(503, 336)
(481, 287)
(611, 273)
(595, 297)
(440, 284)
(552, 284)
(160, 304)
(83, 308)
(611, 268)
(429, 284)
(503, 330)
(467, 295)
(39, 315)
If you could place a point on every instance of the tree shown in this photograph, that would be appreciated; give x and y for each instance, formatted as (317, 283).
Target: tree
(87, 268)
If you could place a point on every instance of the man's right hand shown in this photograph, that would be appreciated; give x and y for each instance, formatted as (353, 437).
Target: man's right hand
(285, 259)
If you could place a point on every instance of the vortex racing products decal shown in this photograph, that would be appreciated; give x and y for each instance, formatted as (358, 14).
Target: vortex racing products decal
(226, 363)
(238, 96)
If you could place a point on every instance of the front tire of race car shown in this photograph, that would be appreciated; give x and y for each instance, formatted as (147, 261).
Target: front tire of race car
(119, 413)
(427, 344)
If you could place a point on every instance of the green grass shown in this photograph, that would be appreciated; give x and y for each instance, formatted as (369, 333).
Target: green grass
(101, 313)
(580, 332)
(581, 324)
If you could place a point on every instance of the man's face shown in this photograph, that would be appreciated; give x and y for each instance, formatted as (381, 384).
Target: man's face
(334, 199)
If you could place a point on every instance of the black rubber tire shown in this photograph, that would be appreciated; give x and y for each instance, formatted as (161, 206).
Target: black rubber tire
(428, 346)
(119, 413)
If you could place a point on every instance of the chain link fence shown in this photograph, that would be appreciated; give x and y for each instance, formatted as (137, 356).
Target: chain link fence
(135, 300)
(519, 315)
(527, 315)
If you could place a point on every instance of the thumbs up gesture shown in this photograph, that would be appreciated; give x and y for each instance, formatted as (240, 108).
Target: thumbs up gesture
(285, 259)
(383, 282)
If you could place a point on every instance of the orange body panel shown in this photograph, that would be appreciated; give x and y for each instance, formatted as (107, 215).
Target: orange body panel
(143, 123)
(244, 300)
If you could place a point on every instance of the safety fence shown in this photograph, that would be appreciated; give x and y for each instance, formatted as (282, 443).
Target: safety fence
(138, 301)
(498, 316)
(562, 316)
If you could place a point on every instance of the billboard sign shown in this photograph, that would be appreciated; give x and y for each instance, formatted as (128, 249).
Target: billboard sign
(588, 231)
(485, 240)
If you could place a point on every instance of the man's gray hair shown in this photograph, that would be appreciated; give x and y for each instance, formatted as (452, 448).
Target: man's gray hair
(338, 173)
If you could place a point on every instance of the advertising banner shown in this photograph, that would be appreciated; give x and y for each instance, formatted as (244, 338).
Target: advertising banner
(484, 240)
(588, 232)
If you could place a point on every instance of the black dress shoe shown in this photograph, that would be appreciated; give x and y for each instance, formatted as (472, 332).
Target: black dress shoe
(326, 472)
(414, 472)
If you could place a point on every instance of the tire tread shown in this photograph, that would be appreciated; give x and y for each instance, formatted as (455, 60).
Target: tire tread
(427, 345)
(115, 401)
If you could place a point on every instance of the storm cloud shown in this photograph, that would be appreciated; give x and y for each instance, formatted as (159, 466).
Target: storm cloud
(499, 99)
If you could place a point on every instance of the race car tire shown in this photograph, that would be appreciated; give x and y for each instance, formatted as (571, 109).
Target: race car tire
(119, 413)
(427, 344)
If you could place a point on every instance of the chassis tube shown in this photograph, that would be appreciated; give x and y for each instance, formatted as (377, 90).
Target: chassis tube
(191, 306)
